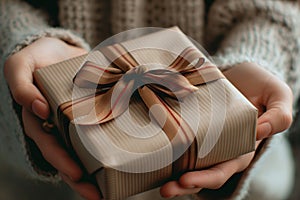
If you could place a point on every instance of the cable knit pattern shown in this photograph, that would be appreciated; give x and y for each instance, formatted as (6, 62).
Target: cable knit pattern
(262, 31)
(187, 14)
(89, 18)
(95, 22)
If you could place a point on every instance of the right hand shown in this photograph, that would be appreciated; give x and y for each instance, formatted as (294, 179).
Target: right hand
(18, 71)
(271, 96)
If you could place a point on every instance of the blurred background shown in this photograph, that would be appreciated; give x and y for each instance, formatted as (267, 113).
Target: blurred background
(294, 138)
(15, 186)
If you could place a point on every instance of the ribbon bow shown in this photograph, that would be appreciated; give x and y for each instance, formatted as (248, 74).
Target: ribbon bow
(118, 81)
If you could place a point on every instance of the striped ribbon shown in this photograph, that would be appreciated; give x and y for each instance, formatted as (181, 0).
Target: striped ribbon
(117, 82)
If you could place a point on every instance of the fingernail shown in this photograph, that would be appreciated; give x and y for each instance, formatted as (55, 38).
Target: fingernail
(39, 108)
(62, 176)
(190, 186)
(72, 178)
(65, 177)
(266, 130)
(170, 197)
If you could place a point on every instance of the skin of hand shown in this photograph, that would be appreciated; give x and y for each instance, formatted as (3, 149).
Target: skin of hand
(273, 99)
(271, 96)
(18, 71)
(213, 178)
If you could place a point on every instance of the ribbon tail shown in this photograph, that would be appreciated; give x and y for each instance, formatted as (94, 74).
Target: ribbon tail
(177, 130)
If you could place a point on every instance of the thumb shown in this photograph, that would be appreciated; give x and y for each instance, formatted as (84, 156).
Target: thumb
(274, 120)
(278, 101)
(18, 73)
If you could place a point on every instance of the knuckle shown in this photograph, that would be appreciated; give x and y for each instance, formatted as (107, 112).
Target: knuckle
(285, 116)
(218, 185)
(44, 146)
(220, 179)
(16, 61)
(45, 155)
(288, 89)
(286, 120)
(18, 92)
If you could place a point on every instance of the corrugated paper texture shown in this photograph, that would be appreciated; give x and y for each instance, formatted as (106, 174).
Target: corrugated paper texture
(107, 151)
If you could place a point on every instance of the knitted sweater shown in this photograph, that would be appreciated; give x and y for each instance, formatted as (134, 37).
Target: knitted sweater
(262, 31)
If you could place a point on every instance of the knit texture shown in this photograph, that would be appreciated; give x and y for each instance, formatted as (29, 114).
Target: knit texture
(96, 20)
(20, 26)
(265, 32)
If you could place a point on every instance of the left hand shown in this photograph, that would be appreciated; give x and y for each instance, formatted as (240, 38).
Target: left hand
(54, 153)
(18, 72)
(273, 99)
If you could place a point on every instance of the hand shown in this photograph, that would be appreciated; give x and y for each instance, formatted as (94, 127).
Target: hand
(18, 73)
(212, 178)
(19, 67)
(271, 96)
(56, 155)
(273, 99)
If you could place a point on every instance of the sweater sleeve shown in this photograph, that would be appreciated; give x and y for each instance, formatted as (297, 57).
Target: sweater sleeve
(21, 25)
(263, 32)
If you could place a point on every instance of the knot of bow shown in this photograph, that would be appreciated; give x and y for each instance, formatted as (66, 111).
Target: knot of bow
(117, 82)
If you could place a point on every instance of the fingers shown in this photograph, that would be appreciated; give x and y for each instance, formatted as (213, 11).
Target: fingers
(86, 190)
(273, 121)
(215, 177)
(212, 178)
(19, 67)
(268, 93)
(173, 189)
(278, 116)
(18, 73)
(58, 157)
(50, 148)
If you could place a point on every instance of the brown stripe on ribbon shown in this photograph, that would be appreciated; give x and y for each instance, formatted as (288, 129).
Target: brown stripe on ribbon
(124, 73)
(88, 77)
(180, 60)
(174, 126)
(118, 55)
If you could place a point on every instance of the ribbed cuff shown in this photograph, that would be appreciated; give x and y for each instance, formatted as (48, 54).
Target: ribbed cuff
(60, 33)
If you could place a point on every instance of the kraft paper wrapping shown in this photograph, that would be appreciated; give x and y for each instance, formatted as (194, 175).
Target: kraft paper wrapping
(124, 164)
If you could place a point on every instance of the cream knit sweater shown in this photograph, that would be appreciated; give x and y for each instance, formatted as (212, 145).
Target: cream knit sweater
(262, 31)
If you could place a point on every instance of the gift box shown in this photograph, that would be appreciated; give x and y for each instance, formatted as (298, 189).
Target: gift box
(141, 112)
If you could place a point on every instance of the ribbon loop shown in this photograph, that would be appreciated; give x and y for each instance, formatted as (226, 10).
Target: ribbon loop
(125, 74)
